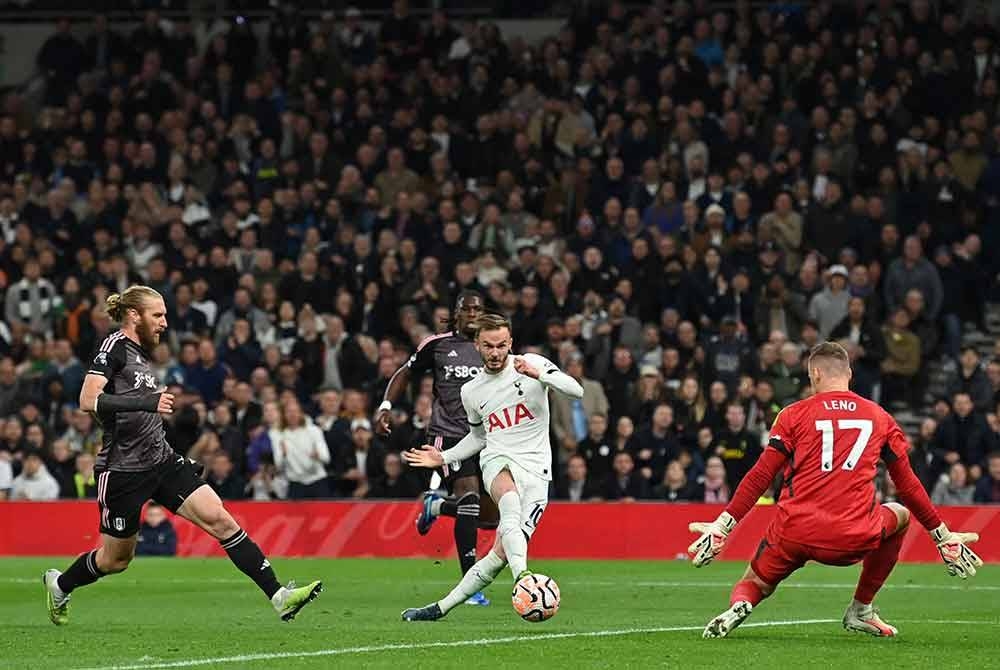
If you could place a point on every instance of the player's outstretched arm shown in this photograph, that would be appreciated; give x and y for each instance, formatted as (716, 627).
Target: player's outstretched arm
(545, 371)
(713, 535)
(960, 560)
(428, 456)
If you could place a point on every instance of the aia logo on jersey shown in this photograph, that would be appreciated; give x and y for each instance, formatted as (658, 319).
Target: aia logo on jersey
(460, 371)
(508, 417)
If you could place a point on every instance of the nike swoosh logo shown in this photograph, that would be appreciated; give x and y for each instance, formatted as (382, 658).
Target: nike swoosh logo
(483, 405)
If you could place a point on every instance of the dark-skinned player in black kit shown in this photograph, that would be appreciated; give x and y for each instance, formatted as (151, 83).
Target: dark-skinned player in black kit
(452, 359)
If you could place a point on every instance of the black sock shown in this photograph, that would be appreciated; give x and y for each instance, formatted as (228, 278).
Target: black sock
(466, 529)
(83, 571)
(247, 556)
(449, 506)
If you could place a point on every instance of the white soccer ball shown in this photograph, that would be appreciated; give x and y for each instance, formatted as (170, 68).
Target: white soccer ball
(536, 598)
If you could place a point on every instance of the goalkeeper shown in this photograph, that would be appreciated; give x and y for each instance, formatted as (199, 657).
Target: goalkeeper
(828, 447)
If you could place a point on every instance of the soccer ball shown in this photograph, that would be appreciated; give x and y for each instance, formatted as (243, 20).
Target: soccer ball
(536, 598)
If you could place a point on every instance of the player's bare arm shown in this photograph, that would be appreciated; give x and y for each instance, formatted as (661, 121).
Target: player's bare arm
(397, 383)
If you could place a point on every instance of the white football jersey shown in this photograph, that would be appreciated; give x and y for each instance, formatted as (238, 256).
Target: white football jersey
(514, 412)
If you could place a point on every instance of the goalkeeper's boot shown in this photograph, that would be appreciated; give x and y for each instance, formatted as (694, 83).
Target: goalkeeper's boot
(728, 621)
(431, 612)
(58, 602)
(290, 599)
(427, 516)
(479, 599)
(865, 619)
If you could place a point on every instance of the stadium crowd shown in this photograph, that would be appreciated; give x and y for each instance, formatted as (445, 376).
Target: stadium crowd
(674, 204)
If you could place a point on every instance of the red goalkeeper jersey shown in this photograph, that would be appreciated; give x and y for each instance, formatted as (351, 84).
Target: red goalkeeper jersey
(830, 445)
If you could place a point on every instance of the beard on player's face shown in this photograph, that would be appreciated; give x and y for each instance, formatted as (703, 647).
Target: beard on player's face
(149, 337)
(495, 359)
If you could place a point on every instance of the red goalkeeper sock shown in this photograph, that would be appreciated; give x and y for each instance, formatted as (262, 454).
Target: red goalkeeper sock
(877, 566)
(746, 590)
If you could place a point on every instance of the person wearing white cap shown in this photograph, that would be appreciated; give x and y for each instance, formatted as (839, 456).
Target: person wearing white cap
(829, 307)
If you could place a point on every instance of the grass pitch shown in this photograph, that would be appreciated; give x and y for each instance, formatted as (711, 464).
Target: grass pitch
(202, 613)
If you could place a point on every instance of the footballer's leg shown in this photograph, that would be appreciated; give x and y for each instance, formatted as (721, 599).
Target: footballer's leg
(203, 507)
(861, 616)
(120, 497)
(772, 563)
(746, 594)
(510, 533)
(474, 581)
(113, 556)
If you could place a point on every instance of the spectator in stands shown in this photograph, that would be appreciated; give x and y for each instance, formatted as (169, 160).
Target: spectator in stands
(780, 310)
(715, 482)
(964, 436)
(360, 463)
(862, 338)
(223, 479)
(393, 483)
(570, 419)
(300, 453)
(655, 444)
(33, 302)
(988, 486)
(954, 488)
(576, 484)
(913, 271)
(787, 376)
(35, 482)
(973, 380)
(84, 481)
(61, 463)
(921, 324)
(902, 361)
(208, 374)
(735, 445)
(676, 487)
(829, 307)
(6, 476)
(157, 536)
(625, 484)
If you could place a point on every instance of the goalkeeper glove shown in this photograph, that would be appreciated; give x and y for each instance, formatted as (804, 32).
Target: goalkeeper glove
(960, 560)
(712, 540)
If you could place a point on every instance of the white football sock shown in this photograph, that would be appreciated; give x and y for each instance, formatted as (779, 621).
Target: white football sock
(475, 580)
(515, 544)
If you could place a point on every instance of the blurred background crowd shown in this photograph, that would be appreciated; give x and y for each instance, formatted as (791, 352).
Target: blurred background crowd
(673, 201)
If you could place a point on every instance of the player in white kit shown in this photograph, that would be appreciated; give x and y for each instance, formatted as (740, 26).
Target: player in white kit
(508, 412)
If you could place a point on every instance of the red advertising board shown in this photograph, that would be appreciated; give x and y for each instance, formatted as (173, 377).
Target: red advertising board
(385, 529)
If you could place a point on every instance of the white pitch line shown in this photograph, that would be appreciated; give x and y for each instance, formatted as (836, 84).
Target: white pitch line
(246, 658)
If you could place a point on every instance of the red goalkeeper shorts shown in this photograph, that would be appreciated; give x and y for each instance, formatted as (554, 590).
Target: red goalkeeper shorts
(777, 557)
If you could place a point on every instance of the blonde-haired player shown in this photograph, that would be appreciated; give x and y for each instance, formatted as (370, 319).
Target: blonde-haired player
(136, 464)
(508, 412)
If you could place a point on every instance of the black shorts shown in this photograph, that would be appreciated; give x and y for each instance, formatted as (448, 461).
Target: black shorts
(121, 495)
(468, 468)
